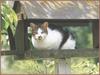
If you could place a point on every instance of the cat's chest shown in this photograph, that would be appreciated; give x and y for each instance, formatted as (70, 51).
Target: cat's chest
(45, 45)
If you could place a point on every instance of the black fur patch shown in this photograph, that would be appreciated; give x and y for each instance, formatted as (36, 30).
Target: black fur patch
(64, 33)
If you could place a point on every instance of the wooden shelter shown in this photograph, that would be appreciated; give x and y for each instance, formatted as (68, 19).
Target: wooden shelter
(63, 13)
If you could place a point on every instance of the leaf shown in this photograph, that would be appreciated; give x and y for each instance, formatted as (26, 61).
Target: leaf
(9, 17)
(5, 24)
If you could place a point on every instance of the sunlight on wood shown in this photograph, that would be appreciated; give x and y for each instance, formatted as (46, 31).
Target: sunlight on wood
(92, 2)
(80, 5)
(61, 9)
(89, 15)
(34, 15)
(27, 2)
(93, 13)
(55, 4)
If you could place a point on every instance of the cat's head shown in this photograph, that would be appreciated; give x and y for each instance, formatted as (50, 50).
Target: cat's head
(39, 32)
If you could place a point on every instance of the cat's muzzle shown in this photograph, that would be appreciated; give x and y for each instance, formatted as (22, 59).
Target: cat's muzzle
(39, 37)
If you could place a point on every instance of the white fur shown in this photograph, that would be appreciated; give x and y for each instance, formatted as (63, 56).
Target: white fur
(52, 40)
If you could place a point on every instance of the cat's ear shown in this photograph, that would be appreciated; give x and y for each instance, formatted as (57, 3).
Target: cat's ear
(32, 25)
(45, 25)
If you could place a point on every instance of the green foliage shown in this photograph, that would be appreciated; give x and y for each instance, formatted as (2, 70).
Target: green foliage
(83, 36)
(84, 66)
(5, 42)
(30, 67)
(9, 18)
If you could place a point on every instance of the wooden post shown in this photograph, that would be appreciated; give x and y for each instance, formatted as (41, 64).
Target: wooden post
(95, 31)
(11, 39)
(19, 39)
(21, 35)
(63, 66)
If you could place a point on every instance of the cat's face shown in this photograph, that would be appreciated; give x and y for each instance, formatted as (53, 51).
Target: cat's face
(39, 32)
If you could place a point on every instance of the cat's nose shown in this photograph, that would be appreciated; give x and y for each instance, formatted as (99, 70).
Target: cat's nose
(39, 37)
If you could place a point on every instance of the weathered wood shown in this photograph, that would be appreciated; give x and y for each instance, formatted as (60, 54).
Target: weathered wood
(63, 66)
(55, 53)
(95, 30)
(17, 8)
(11, 39)
(26, 40)
(63, 9)
(21, 35)
(62, 22)
(19, 39)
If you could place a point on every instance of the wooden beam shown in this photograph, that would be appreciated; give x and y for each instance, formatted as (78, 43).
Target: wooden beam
(62, 22)
(55, 53)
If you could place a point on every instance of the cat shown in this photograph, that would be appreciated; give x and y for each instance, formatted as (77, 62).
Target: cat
(49, 37)
(53, 37)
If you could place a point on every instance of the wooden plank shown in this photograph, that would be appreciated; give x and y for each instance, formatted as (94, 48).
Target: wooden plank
(95, 30)
(62, 22)
(69, 9)
(19, 39)
(55, 53)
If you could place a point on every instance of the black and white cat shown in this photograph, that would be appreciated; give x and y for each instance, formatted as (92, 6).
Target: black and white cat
(46, 36)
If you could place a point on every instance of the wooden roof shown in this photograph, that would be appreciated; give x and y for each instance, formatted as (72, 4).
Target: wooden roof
(75, 9)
